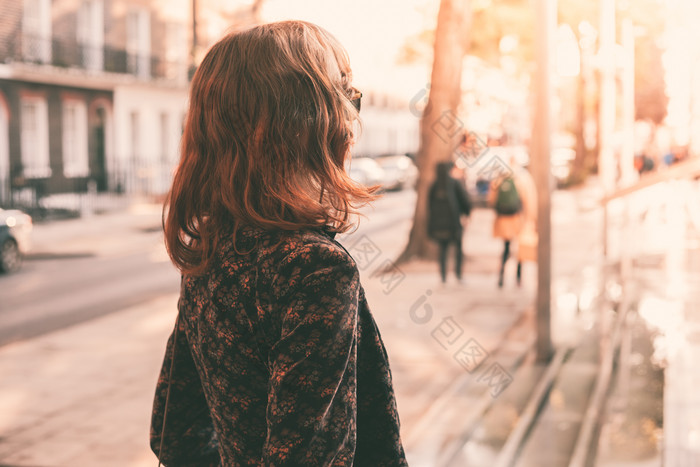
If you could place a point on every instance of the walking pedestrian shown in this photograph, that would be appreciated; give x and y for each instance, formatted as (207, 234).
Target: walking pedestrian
(275, 358)
(447, 202)
(514, 198)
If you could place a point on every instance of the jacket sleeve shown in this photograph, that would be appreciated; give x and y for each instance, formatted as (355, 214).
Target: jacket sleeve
(312, 406)
(431, 196)
(465, 205)
(430, 221)
(528, 194)
(189, 434)
(493, 192)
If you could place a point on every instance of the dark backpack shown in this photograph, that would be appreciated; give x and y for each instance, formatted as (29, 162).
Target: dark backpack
(440, 214)
(508, 200)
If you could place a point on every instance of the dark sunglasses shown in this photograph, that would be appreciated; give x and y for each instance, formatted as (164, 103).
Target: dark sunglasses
(356, 99)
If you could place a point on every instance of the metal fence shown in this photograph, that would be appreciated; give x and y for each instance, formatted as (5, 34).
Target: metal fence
(124, 181)
(63, 53)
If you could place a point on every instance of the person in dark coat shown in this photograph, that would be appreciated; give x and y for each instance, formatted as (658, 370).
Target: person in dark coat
(448, 200)
(275, 358)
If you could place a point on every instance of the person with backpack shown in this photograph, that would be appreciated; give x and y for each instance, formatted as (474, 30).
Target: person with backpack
(447, 202)
(514, 198)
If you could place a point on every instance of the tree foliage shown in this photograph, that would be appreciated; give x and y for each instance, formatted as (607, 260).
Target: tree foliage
(500, 18)
(495, 19)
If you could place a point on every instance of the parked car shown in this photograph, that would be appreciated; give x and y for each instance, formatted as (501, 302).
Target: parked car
(399, 171)
(15, 238)
(366, 171)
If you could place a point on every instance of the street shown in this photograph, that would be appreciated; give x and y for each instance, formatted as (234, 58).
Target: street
(84, 268)
(78, 270)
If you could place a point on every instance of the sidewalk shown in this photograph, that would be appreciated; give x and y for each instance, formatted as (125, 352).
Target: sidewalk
(98, 232)
(81, 396)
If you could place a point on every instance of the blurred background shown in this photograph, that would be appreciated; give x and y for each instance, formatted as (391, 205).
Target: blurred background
(590, 359)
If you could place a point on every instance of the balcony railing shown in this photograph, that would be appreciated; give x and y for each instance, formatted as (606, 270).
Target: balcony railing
(72, 54)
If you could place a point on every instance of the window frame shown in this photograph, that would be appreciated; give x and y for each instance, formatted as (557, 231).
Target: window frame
(35, 161)
(76, 161)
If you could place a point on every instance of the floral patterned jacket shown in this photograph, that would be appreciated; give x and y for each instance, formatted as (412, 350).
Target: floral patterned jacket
(278, 362)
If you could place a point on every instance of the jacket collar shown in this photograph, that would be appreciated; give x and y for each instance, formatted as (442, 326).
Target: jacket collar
(327, 231)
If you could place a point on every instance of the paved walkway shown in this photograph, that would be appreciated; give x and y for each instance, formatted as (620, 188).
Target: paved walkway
(81, 396)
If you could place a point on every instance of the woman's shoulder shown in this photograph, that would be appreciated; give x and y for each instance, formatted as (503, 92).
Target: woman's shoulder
(311, 248)
(304, 248)
(309, 257)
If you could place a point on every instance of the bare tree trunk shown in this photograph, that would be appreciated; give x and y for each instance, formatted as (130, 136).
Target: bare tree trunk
(440, 128)
(255, 10)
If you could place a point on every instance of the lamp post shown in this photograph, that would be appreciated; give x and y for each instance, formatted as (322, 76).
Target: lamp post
(628, 109)
(606, 117)
(541, 150)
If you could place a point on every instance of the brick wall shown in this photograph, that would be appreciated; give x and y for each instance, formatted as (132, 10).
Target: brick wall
(10, 25)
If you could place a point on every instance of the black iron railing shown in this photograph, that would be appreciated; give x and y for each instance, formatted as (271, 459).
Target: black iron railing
(123, 177)
(64, 53)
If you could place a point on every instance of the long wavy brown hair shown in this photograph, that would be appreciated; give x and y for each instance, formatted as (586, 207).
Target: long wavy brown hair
(267, 134)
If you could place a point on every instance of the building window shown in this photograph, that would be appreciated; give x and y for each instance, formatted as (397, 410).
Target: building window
(36, 31)
(91, 33)
(75, 143)
(138, 42)
(35, 138)
(135, 144)
(165, 146)
(4, 153)
(176, 52)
